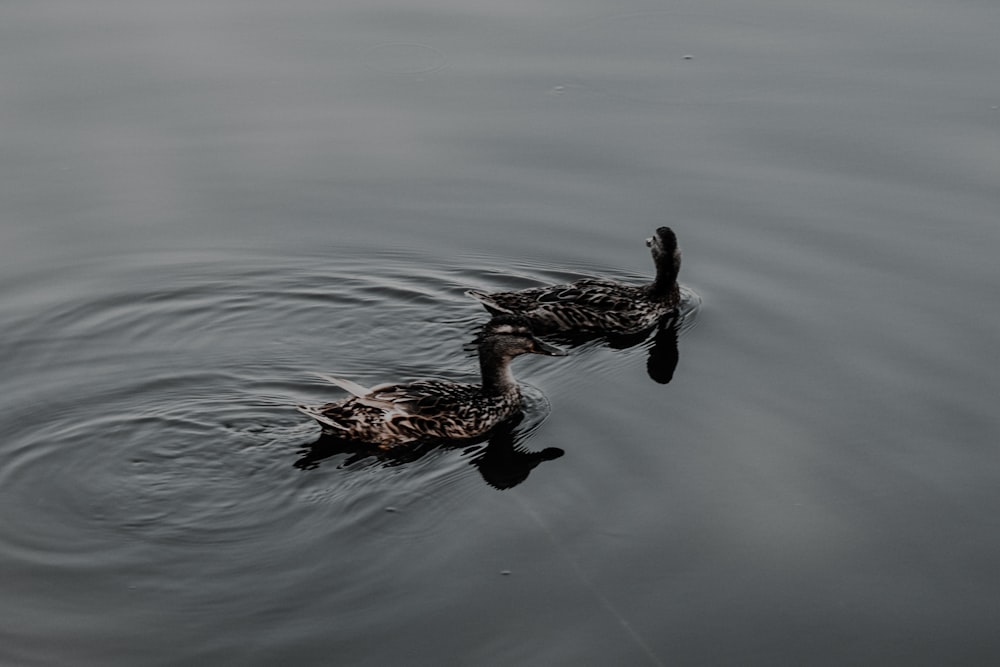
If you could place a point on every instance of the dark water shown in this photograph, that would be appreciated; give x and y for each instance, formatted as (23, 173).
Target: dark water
(205, 203)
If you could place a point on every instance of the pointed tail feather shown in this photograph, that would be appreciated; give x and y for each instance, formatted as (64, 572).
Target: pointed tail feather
(317, 414)
(346, 385)
(487, 300)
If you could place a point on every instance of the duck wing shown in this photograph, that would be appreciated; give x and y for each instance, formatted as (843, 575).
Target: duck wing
(409, 397)
(591, 304)
(392, 414)
(592, 293)
(449, 410)
(595, 294)
(423, 397)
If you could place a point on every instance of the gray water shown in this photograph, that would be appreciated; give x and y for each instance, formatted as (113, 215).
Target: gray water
(204, 203)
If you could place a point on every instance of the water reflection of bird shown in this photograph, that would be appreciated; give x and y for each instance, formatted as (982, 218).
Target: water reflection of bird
(661, 341)
(598, 304)
(389, 415)
(663, 352)
(502, 462)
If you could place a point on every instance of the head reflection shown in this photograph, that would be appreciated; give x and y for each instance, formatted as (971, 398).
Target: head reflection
(660, 341)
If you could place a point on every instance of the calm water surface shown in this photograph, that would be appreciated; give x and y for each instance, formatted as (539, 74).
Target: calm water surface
(206, 203)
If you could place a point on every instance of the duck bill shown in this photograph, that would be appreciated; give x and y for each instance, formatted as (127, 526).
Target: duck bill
(542, 347)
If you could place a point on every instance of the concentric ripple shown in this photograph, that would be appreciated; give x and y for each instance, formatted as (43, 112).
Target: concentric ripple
(151, 430)
(152, 401)
(152, 446)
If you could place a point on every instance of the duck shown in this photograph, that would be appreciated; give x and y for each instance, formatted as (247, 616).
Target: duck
(598, 305)
(394, 414)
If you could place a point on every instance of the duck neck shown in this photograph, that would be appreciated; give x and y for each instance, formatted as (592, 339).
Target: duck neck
(495, 369)
(665, 284)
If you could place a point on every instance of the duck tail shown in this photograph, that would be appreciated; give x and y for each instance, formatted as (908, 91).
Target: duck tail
(316, 412)
(348, 386)
(488, 301)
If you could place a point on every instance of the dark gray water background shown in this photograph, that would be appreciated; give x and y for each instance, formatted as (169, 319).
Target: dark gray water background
(205, 202)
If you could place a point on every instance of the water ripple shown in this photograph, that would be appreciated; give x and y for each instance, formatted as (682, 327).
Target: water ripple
(151, 402)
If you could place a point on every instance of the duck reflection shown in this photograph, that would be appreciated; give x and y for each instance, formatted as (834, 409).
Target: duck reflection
(501, 459)
(663, 352)
(503, 463)
(661, 341)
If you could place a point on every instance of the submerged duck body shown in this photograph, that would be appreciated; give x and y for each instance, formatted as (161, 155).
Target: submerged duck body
(427, 410)
(597, 304)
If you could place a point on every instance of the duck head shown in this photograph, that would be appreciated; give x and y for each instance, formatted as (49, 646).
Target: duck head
(511, 336)
(666, 253)
(663, 244)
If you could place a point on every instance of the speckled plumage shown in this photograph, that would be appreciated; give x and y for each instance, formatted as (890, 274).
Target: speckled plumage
(423, 410)
(598, 304)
